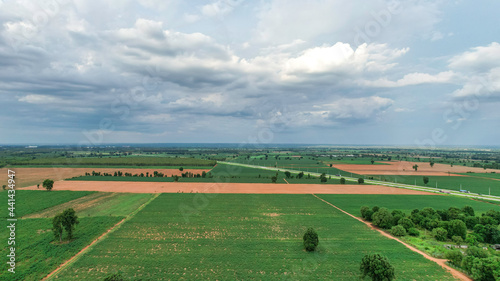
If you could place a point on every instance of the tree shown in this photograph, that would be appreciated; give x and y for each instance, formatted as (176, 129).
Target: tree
(440, 233)
(69, 220)
(398, 230)
(382, 218)
(457, 228)
(361, 180)
(311, 240)
(377, 267)
(48, 184)
(455, 257)
(415, 167)
(372, 161)
(342, 180)
(413, 232)
(406, 223)
(300, 175)
(4, 186)
(468, 210)
(426, 180)
(288, 174)
(432, 164)
(181, 169)
(323, 177)
(57, 227)
(274, 179)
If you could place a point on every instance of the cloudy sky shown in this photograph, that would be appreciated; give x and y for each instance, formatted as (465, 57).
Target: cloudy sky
(407, 72)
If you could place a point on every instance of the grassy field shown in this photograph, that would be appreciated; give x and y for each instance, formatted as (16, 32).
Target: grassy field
(483, 175)
(31, 201)
(352, 202)
(235, 237)
(37, 256)
(472, 184)
(127, 161)
(99, 204)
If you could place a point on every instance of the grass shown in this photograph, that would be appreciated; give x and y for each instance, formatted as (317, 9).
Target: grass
(483, 175)
(37, 256)
(242, 237)
(31, 201)
(113, 167)
(351, 203)
(99, 204)
(472, 184)
(116, 161)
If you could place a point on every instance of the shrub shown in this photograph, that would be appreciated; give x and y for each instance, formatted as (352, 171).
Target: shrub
(471, 221)
(398, 230)
(455, 257)
(114, 277)
(377, 267)
(457, 228)
(476, 252)
(413, 232)
(440, 233)
(457, 240)
(382, 218)
(406, 223)
(342, 180)
(363, 211)
(311, 240)
(361, 180)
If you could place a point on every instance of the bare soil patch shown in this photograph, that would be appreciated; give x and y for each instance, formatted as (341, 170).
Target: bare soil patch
(204, 187)
(406, 168)
(32, 176)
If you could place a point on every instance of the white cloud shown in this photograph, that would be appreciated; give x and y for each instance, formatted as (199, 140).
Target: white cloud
(39, 99)
(413, 79)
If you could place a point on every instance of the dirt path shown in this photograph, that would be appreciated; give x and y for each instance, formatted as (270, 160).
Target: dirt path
(285, 181)
(214, 187)
(98, 239)
(442, 262)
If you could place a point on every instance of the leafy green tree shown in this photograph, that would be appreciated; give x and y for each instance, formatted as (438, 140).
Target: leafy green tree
(377, 267)
(274, 179)
(5, 186)
(454, 257)
(457, 240)
(57, 227)
(432, 164)
(181, 169)
(69, 220)
(311, 239)
(361, 180)
(457, 228)
(426, 180)
(471, 221)
(415, 167)
(287, 174)
(398, 230)
(382, 218)
(468, 210)
(48, 184)
(485, 269)
(440, 233)
(372, 161)
(342, 180)
(406, 223)
(476, 252)
(300, 175)
(413, 232)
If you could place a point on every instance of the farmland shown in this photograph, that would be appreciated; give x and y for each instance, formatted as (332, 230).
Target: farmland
(37, 256)
(259, 239)
(115, 161)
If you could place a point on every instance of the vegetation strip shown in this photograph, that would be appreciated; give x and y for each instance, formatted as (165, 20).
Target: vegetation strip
(441, 262)
(100, 238)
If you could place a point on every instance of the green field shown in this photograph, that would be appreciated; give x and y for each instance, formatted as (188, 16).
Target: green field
(472, 184)
(127, 161)
(235, 237)
(31, 201)
(99, 204)
(37, 256)
(483, 175)
(352, 202)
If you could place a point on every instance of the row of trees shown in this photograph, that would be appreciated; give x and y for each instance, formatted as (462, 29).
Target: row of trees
(155, 174)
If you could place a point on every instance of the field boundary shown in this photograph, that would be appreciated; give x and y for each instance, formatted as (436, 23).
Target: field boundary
(97, 240)
(441, 262)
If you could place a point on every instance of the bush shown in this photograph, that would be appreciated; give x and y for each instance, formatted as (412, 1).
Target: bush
(398, 230)
(406, 223)
(457, 240)
(471, 221)
(311, 240)
(454, 257)
(382, 218)
(377, 267)
(440, 233)
(361, 180)
(476, 252)
(413, 232)
(457, 228)
(363, 211)
(342, 180)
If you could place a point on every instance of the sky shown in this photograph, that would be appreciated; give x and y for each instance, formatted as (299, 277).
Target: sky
(378, 72)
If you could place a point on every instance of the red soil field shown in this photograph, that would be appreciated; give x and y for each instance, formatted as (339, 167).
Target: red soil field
(405, 168)
(32, 176)
(203, 187)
